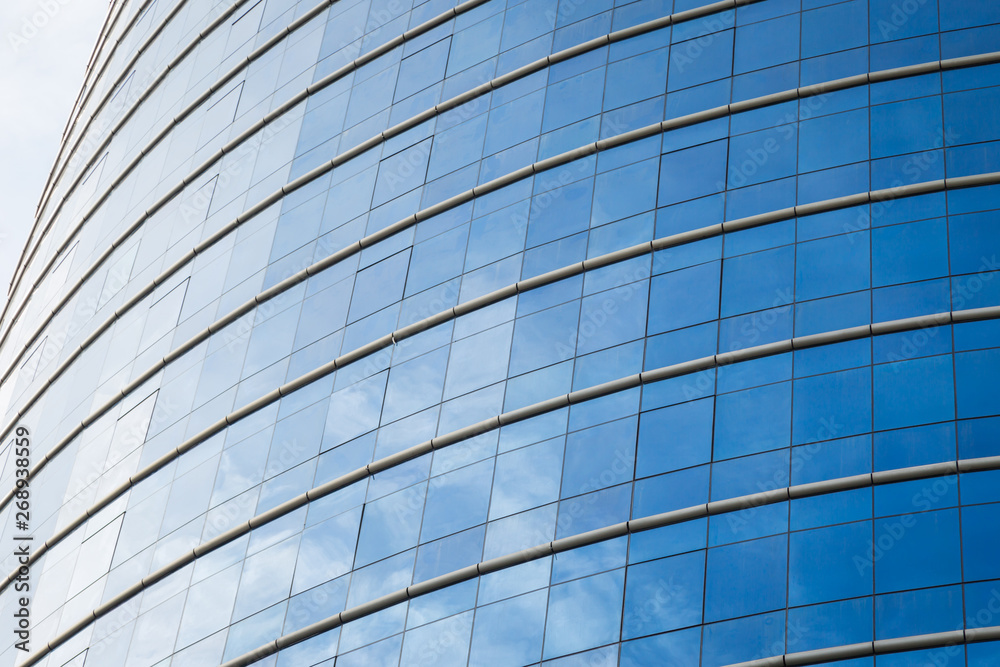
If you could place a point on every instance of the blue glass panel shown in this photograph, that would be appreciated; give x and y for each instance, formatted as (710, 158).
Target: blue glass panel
(544, 338)
(584, 613)
(598, 457)
(914, 392)
(829, 625)
(829, 564)
(905, 253)
(574, 99)
(693, 172)
(457, 500)
(636, 78)
(971, 240)
(663, 595)
(750, 474)
(526, 22)
(832, 265)
(916, 550)
(832, 459)
(980, 542)
(743, 639)
(905, 127)
(746, 578)
(683, 298)
(835, 28)
(757, 281)
(624, 192)
(674, 437)
(918, 612)
(679, 648)
(834, 405)
(891, 20)
(701, 60)
(762, 156)
(975, 388)
(767, 43)
(753, 421)
(389, 525)
(834, 140)
(914, 446)
(509, 632)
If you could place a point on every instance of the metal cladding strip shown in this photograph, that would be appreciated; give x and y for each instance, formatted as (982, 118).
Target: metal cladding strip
(601, 535)
(455, 102)
(878, 647)
(481, 302)
(713, 508)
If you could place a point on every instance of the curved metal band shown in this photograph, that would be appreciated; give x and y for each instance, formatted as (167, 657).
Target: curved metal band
(483, 301)
(713, 508)
(480, 302)
(525, 172)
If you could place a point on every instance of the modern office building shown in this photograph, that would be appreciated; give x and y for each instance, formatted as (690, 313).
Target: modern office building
(503, 333)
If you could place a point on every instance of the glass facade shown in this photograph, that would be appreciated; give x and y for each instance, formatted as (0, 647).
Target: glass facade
(515, 332)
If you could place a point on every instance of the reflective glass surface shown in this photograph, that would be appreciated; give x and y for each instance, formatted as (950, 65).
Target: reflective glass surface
(310, 198)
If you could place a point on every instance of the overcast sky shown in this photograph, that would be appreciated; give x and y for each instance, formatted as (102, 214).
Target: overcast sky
(44, 47)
